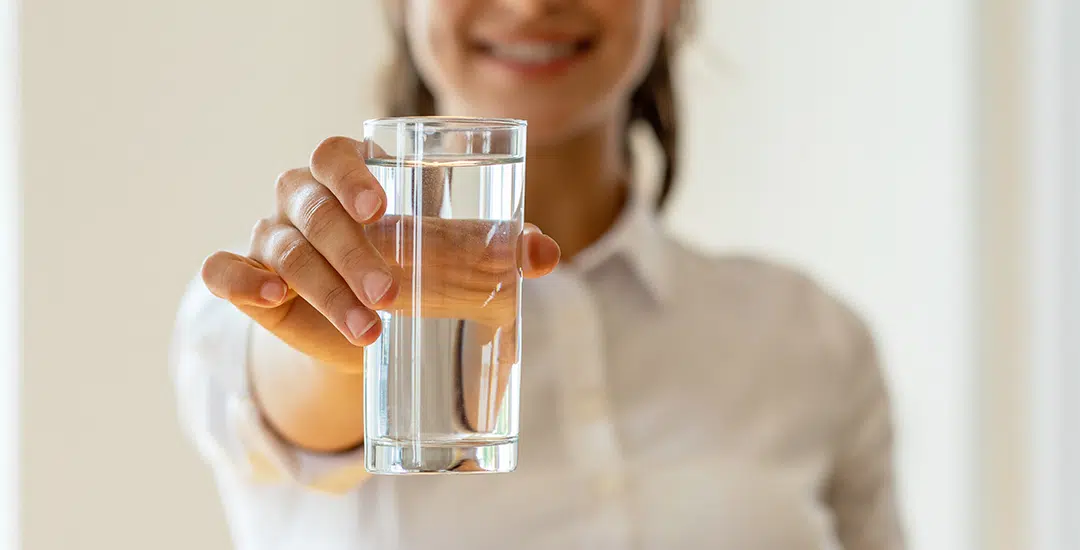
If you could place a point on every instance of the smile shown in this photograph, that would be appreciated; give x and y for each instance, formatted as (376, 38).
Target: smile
(536, 52)
(535, 57)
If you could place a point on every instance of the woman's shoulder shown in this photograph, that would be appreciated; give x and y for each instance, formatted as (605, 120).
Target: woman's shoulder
(764, 291)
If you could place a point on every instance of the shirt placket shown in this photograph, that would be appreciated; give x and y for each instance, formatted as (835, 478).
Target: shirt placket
(585, 414)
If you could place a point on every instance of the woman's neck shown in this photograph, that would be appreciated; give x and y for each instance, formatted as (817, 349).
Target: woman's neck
(576, 188)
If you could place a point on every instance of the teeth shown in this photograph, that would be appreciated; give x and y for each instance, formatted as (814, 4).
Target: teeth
(533, 52)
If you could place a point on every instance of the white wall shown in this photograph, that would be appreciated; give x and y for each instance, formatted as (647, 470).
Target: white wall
(1047, 182)
(832, 133)
(9, 278)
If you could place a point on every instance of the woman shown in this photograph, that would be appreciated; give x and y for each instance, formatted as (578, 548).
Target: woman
(670, 400)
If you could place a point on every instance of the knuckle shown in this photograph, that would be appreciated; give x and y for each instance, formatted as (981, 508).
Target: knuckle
(315, 216)
(261, 233)
(294, 255)
(338, 161)
(329, 148)
(355, 259)
(288, 179)
(260, 229)
(337, 299)
(356, 179)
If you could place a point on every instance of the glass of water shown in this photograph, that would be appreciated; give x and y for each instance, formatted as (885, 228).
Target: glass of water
(441, 383)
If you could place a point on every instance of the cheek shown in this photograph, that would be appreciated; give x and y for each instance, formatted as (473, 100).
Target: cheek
(629, 48)
(633, 52)
(431, 32)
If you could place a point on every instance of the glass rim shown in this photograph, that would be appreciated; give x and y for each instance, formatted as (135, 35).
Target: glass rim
(451, 123)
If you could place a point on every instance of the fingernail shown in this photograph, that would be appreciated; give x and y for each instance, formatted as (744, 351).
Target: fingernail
(368, 204)
(376, 284)
(272, 292)
(544, 253)
(359, 321)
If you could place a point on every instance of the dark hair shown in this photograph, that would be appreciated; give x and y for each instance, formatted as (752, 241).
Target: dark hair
(653, 103)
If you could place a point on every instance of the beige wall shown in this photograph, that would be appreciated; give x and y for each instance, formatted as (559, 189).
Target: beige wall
(1006, 349)
(830, 133)
(153, 133)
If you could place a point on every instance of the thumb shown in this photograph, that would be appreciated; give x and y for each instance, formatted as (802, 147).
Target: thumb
(541, 255)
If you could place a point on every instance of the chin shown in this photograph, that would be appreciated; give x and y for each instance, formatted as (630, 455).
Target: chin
(544, 132)
(547, 127)
(550, 122)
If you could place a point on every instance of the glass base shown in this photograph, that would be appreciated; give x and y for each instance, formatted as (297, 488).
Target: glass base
(386, 456)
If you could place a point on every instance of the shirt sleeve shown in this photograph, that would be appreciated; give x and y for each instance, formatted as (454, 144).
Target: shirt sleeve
(862, 490)
(209, 355)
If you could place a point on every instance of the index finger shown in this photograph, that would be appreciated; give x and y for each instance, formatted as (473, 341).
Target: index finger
(340, 165)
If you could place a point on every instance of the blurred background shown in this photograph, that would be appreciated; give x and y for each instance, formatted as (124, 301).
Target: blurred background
(920, 157)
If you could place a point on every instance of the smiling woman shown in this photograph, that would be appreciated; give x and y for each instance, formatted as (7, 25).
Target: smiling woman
(671, 398)
(522, 54)
(832, 134)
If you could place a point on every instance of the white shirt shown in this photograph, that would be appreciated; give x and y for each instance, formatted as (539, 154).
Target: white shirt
(669, 401)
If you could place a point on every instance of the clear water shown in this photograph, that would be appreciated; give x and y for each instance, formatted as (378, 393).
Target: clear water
(442, 379)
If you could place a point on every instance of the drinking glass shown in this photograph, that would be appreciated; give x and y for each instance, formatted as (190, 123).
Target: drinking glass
(441, 383)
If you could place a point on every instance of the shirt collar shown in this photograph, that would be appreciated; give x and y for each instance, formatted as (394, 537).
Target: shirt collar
(637, 238)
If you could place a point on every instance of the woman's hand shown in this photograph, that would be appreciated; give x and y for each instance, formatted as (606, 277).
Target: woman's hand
(318, 267)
